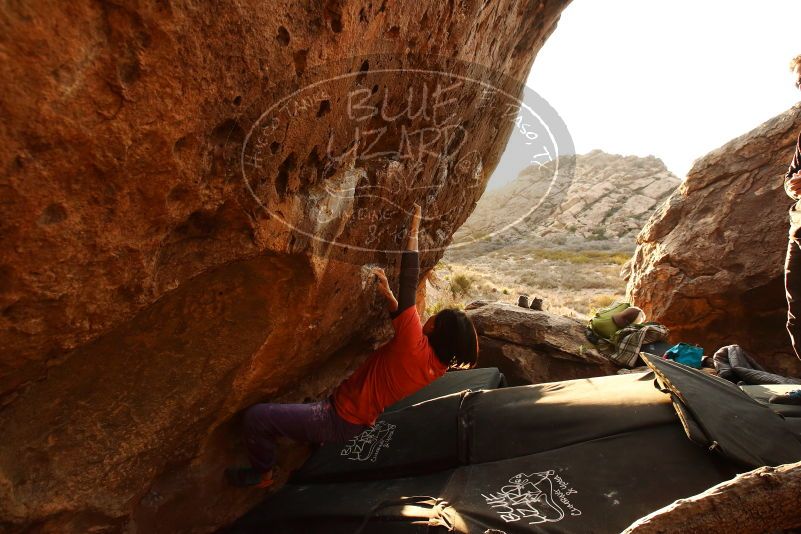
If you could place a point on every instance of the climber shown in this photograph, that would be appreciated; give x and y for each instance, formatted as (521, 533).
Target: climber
(792, 264)
(417, 355)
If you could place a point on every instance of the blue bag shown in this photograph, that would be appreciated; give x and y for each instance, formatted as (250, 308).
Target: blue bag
(686, 354)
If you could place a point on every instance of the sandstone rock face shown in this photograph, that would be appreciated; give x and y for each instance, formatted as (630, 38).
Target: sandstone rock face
(531, 347)
(606, 198)
(709, 264)
(174, 248)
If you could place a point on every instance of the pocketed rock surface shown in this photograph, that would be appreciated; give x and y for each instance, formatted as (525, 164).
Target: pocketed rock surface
(710, 262)
(148, 293)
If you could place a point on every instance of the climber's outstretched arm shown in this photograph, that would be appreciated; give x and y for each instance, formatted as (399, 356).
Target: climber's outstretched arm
(409, 275)
(414, 229)
(410, 266)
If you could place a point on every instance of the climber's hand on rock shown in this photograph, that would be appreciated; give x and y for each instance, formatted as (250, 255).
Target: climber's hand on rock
(418, 212)
(793, 186)
(383, 288)
(414, 228)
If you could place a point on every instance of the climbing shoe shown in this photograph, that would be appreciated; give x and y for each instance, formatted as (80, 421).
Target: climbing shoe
(244, 477)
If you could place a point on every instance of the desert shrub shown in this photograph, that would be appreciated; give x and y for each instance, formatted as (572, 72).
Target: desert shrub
(460, 284)
(619, 257)
(601, 301)
(597, 234)
(434, 308)
(441, 304)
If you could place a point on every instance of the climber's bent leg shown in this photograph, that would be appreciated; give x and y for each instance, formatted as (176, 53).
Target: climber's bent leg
(315, 422)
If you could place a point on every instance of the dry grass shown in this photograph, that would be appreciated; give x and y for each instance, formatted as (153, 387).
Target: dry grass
(460, 284)
(570, 282)
(602, 301)
(581, 257)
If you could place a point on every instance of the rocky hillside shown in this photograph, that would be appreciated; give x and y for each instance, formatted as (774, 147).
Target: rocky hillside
(606, 198)
(562, 238)
(710, 262)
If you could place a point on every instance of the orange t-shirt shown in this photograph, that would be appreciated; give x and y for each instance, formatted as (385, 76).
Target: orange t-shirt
(394, 371)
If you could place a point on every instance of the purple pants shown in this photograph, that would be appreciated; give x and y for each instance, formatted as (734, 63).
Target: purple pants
(315, 422)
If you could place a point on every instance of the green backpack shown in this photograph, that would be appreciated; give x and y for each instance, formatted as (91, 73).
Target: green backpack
(602, 323)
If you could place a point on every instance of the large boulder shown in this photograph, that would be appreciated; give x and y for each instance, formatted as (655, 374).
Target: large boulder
(710, 262)
(176, 246)
(531, 347)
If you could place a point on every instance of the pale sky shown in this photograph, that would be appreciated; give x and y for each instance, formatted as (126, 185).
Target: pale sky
(672, 78)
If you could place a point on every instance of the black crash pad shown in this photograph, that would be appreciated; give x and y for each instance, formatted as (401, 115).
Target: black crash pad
(407, 442)
(587, 455)
(416, 435)
(527, 419)
(487, 425)
(453, 382)
(601, 485)
(736, 425)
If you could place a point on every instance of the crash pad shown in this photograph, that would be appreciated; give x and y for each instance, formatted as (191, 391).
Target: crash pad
(487, 425)
(737, 426)
(587, 455)
(453, 382)
(415, 440)
(526, 419)
(600, 485)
